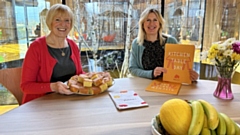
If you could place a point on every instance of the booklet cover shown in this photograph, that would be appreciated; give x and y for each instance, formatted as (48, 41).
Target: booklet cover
(127, 99)
(164, 87)
(178, 60)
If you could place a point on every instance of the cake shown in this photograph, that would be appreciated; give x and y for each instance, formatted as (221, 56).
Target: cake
(75, 78)
(74, 88)
(103, 87)
(84, 90)
(81, 77)
(93, 76)
(96, 90)
(97, 81)
(87, 83)
(108, 80)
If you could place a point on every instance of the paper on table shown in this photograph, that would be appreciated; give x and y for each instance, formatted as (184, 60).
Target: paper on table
(127, 99)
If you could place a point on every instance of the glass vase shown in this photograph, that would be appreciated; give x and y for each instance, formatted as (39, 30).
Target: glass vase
(223, 89)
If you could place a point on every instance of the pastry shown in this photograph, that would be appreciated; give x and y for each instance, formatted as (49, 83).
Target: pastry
(87, 83)
(96, 90)
(93, 76)
(75, 78)
(97, 81)
(108, 80)
(90, 91)
(83, 90)
(81, 77)
(74, 88)
(103, 87)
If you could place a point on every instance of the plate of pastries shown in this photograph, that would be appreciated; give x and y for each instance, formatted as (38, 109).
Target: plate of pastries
(91, 83)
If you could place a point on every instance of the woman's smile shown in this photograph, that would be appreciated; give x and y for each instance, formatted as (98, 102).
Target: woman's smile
(61, 26)
(151, 24)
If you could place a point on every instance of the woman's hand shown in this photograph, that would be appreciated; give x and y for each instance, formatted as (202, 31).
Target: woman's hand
(158, 71)
(60, 87)
(193, 75)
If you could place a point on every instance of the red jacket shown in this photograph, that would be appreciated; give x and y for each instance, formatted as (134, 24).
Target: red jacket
(38, 67)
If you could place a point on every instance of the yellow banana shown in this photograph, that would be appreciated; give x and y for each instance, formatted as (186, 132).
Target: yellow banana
(237, 129)
(197, 118)
(212, 114)
(205, 124)
(205, 131)
(213, 132)
(221, 129)
(229, 124)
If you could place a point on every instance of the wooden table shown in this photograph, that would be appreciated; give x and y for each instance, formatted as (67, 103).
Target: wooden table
(97, 115)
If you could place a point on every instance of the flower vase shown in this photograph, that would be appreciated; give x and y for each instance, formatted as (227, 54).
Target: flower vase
(223, 89)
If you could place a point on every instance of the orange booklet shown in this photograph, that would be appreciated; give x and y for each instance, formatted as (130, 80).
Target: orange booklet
(164, 87)
(178, 60)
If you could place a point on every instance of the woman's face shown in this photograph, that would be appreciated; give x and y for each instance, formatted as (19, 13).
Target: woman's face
(151, 24)
(61, 25)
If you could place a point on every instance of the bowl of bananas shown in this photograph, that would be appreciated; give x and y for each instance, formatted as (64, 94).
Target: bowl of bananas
(204, 119)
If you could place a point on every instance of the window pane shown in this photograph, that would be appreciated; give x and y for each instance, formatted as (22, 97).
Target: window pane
(21, 22)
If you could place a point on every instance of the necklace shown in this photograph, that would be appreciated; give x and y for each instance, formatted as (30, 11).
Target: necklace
(50, 42)
(63, 53)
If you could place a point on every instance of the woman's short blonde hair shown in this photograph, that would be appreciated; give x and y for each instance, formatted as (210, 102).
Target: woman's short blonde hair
(56, 10)
(143, 17)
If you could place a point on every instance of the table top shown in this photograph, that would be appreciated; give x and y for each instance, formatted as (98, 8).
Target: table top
(97, 115)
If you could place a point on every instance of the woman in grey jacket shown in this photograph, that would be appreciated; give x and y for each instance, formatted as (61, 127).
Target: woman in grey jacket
(147, 52)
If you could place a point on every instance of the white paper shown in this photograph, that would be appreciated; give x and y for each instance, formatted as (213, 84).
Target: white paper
(127, 99)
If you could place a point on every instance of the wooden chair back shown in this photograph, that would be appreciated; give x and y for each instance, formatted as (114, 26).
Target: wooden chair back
(10, 78)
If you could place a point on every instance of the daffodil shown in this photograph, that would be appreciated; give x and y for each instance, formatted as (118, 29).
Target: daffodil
(224, 55)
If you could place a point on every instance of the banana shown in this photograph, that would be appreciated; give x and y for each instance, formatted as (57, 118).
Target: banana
(213, 132)
(221, 129)
(205, 123)
(212, 114)
(237, 129)
(197, 118)
(229, 124)
(205, 131)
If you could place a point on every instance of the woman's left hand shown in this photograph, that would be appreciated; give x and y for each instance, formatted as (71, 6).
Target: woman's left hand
(193, 75)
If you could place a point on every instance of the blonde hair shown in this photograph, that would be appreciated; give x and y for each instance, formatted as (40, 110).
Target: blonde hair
(56, 10)
(143, 17)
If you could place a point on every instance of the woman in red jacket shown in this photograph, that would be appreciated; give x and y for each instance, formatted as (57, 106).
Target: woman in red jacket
(52, 59)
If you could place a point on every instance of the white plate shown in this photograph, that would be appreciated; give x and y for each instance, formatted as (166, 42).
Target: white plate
(154, 130)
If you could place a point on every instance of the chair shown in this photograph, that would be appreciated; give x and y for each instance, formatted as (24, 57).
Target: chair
(10, 78)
